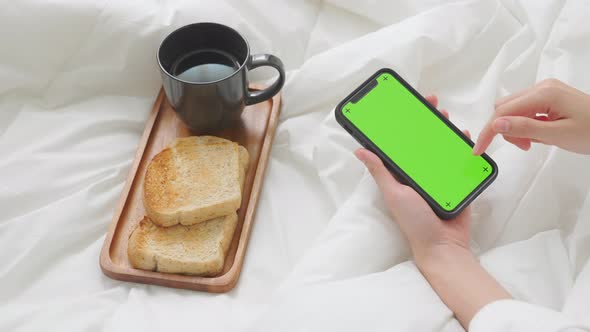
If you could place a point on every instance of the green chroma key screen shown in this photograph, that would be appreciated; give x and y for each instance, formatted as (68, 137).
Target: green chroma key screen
(418, 142)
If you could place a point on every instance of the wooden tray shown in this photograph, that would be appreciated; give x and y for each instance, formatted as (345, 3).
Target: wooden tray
(255, 133)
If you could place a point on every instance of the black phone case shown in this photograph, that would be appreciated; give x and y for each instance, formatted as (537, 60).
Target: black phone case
(396, 170)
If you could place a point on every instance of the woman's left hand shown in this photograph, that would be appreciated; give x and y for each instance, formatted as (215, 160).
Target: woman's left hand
(426, 233)
(440, 248)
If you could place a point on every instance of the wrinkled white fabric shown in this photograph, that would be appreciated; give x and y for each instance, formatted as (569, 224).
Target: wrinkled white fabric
(78, 78)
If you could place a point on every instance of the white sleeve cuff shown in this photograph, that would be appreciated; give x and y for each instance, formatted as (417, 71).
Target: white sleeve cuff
(512, 315)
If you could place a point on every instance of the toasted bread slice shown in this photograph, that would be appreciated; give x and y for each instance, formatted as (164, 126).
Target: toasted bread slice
(197, 250)
(196, 140)
(194, 180)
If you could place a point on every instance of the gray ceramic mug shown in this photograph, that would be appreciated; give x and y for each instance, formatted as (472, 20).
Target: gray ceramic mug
(204, 69)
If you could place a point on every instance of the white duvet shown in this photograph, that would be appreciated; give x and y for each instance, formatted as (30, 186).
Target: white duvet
(78, 78)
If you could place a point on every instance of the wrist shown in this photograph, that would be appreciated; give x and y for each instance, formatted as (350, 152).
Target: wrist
(440, 257)
(459, 280)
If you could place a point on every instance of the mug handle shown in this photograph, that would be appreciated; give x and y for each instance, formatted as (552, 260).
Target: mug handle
(259, 60)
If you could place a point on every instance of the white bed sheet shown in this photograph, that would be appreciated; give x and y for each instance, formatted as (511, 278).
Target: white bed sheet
(78, 78)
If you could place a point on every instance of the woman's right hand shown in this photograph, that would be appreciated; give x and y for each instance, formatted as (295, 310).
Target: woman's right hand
(550, 112)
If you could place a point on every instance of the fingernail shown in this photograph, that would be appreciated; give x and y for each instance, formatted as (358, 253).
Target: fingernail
(502, 126)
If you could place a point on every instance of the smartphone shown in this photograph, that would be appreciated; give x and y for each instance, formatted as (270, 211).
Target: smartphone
(416, 142)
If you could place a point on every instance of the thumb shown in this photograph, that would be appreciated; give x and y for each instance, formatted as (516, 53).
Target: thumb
(380, 173)
(524, 127)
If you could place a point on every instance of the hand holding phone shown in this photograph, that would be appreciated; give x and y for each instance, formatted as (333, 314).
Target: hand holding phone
(441, 250)
(416, 143)
(417, 221)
